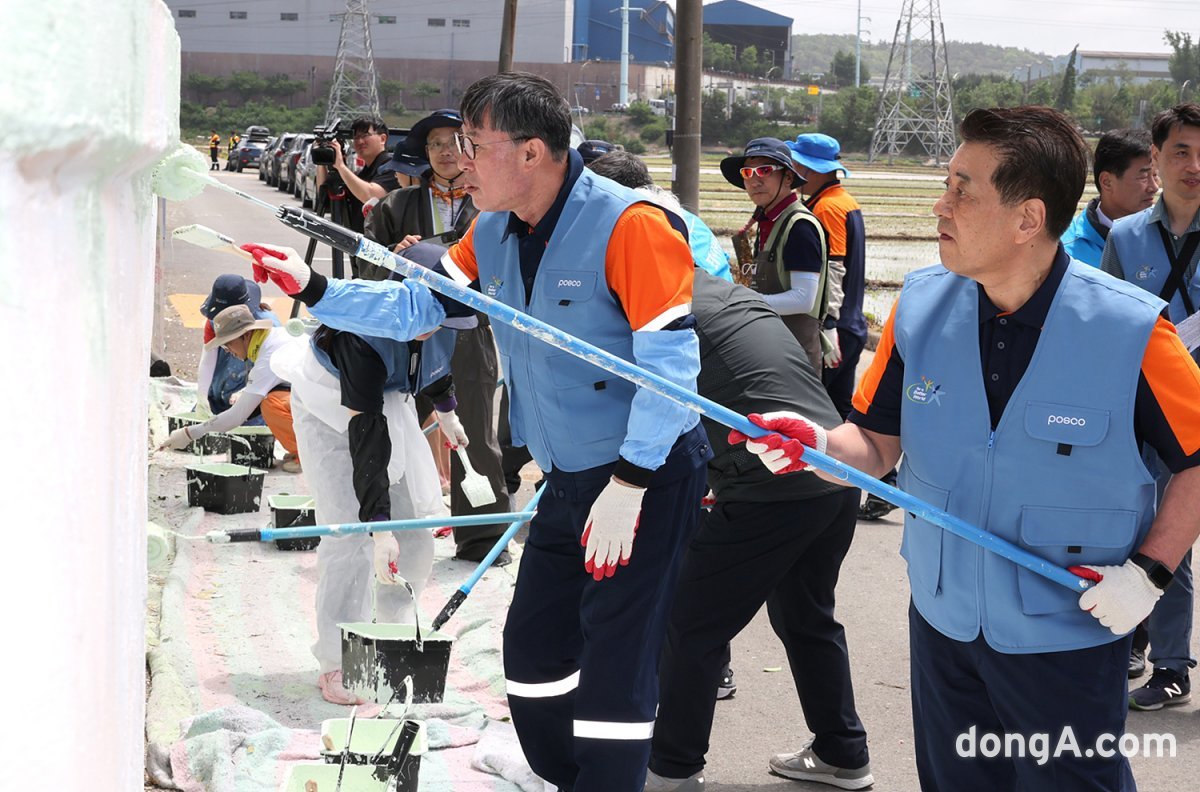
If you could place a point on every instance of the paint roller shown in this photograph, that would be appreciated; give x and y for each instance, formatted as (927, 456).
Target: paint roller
(158, 547)
(173, 173)
(343, 529)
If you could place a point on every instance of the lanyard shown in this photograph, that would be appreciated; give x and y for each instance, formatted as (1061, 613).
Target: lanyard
(1179, 265)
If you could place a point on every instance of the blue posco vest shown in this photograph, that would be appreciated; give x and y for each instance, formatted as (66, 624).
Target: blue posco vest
(434, 362)
(1145, 262)
(571, 414)
(1061, 475)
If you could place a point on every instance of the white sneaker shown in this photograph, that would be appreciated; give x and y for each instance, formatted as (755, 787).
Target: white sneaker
(804, 765)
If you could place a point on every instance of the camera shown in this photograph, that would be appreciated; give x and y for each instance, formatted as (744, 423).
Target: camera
(328, 136)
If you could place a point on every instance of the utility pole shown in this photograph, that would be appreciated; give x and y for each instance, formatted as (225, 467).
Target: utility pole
(689, 67)
(355, 90)
(858, 47)
(508, 33)
(623, 96)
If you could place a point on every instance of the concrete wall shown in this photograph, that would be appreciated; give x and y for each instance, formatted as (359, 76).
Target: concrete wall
(88, 101)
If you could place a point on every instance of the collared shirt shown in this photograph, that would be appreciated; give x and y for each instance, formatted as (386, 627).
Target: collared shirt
(1111, 261)
(532, 240)
(766, 218)
(803, 252)
(1162, 418)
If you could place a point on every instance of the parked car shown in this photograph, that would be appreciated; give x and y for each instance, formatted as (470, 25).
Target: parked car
(247, 154)
(302, 166)
(257, 132)
(291, 158)
(580, 110)
(262, 162)
(276, 155)
(308, 179)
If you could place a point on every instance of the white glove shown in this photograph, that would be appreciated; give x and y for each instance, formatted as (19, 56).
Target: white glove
(452, 428)
(387, 552)
(782, 454)
(177, 440)
(831, 348)
(282, 265)
(1123, 597)
(611, 526)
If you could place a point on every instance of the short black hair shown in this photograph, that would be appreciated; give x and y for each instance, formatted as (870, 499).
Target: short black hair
(1187, 114)
(1117, 149)
(368, 123)
(624, 168)
(523, 106)
(1041, 155)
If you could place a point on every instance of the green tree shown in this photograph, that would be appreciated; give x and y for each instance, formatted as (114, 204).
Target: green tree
(389, 89)
(849, 116)
(640, 113)
(841, 70)
(748, 60)
(1185, 57)
(1066, 92)
(247, 85)
(281, 86)
(204, 85)
(718, 57)
(424, 90)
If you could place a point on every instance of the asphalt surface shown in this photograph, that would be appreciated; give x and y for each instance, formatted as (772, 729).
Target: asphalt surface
(763, 717)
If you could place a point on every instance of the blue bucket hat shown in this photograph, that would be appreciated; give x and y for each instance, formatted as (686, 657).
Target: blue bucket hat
(405, 163)
(230, 290)
(817, 152)
(769, 147)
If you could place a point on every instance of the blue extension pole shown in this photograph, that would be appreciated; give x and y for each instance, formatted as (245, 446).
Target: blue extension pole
(343, 529)
(459, 596)
(358, 245)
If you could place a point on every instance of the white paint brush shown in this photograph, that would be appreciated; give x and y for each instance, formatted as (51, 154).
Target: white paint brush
(475, 486)
(205, 237)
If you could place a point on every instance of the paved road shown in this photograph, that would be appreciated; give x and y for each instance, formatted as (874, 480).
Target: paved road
(763, 718)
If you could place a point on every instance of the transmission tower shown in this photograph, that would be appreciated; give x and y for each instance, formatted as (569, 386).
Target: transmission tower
(917, 100)
(355, 91)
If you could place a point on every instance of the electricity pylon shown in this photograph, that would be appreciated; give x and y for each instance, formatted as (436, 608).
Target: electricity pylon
(355, 90)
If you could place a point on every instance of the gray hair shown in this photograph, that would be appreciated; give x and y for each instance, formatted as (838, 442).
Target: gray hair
(523, 106)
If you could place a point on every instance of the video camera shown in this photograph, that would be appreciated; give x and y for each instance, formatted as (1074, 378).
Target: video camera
(328, 136)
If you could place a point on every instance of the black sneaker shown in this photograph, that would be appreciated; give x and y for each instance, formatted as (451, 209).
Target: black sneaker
(874, 507)
(1166, 688)
(1137, 662)
(726, 687)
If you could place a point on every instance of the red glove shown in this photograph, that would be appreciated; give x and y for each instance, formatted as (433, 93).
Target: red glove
(782, 454)
(282, 265)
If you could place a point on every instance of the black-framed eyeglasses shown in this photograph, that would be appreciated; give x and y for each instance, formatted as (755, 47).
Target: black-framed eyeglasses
(467, 147)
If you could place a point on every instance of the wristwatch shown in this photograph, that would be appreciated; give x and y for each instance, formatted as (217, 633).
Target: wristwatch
(1157, 571)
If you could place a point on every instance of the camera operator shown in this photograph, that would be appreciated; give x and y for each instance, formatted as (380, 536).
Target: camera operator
(370, 136)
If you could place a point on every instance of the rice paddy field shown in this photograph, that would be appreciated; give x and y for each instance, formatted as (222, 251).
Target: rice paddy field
(897, 202)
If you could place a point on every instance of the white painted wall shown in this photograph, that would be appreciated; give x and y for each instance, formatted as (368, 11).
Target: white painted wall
(89, 99)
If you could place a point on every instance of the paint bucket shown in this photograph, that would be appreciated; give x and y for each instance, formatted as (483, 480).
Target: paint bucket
(377, 657)
(253, 446)
(209, 444)
(373, 742)
(359, 778)
(293, 511)
(225, 488)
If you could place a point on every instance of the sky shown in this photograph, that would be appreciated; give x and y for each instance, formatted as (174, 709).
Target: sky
(1052, 27)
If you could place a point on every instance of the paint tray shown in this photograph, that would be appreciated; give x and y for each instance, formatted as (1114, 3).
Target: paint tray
(373, 742)
(224, 488)
(293, 511)
(209, 444)
(253, 446)
(377, 657)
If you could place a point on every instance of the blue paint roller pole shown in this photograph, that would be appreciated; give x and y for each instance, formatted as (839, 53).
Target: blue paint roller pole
(460, 596)
(343, 529)
(357, 245)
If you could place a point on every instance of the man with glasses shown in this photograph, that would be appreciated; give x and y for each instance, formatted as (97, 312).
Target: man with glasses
(439, 208)
(582, 253)
(790, 253)
(370, 136)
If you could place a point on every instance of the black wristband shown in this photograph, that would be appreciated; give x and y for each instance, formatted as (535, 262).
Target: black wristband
(632, 474)
(314, 291)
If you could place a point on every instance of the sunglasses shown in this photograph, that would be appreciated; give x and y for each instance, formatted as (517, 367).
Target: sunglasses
(761, 171)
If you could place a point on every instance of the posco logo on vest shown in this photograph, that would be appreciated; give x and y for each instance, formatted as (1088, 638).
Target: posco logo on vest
(494, 287)
(570, 283)
(924, 392)
(1069, 420)
(1144, 272)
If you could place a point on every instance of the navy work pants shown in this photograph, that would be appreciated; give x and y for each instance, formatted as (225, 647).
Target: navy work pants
(787, 554)
(580, 655)
(962, 691)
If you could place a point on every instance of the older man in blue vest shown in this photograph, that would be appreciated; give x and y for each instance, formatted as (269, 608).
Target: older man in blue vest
(1018, 385)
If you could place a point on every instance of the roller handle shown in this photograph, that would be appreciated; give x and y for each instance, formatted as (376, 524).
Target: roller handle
(452, 605)
(244, 535)
(318, 228)
(404, 744)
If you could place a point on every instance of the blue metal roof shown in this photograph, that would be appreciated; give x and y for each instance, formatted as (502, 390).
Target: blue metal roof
(735, 12)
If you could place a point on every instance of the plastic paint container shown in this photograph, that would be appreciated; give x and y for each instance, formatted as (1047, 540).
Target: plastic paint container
(293, 511)
(225, 488)
(377, 657)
